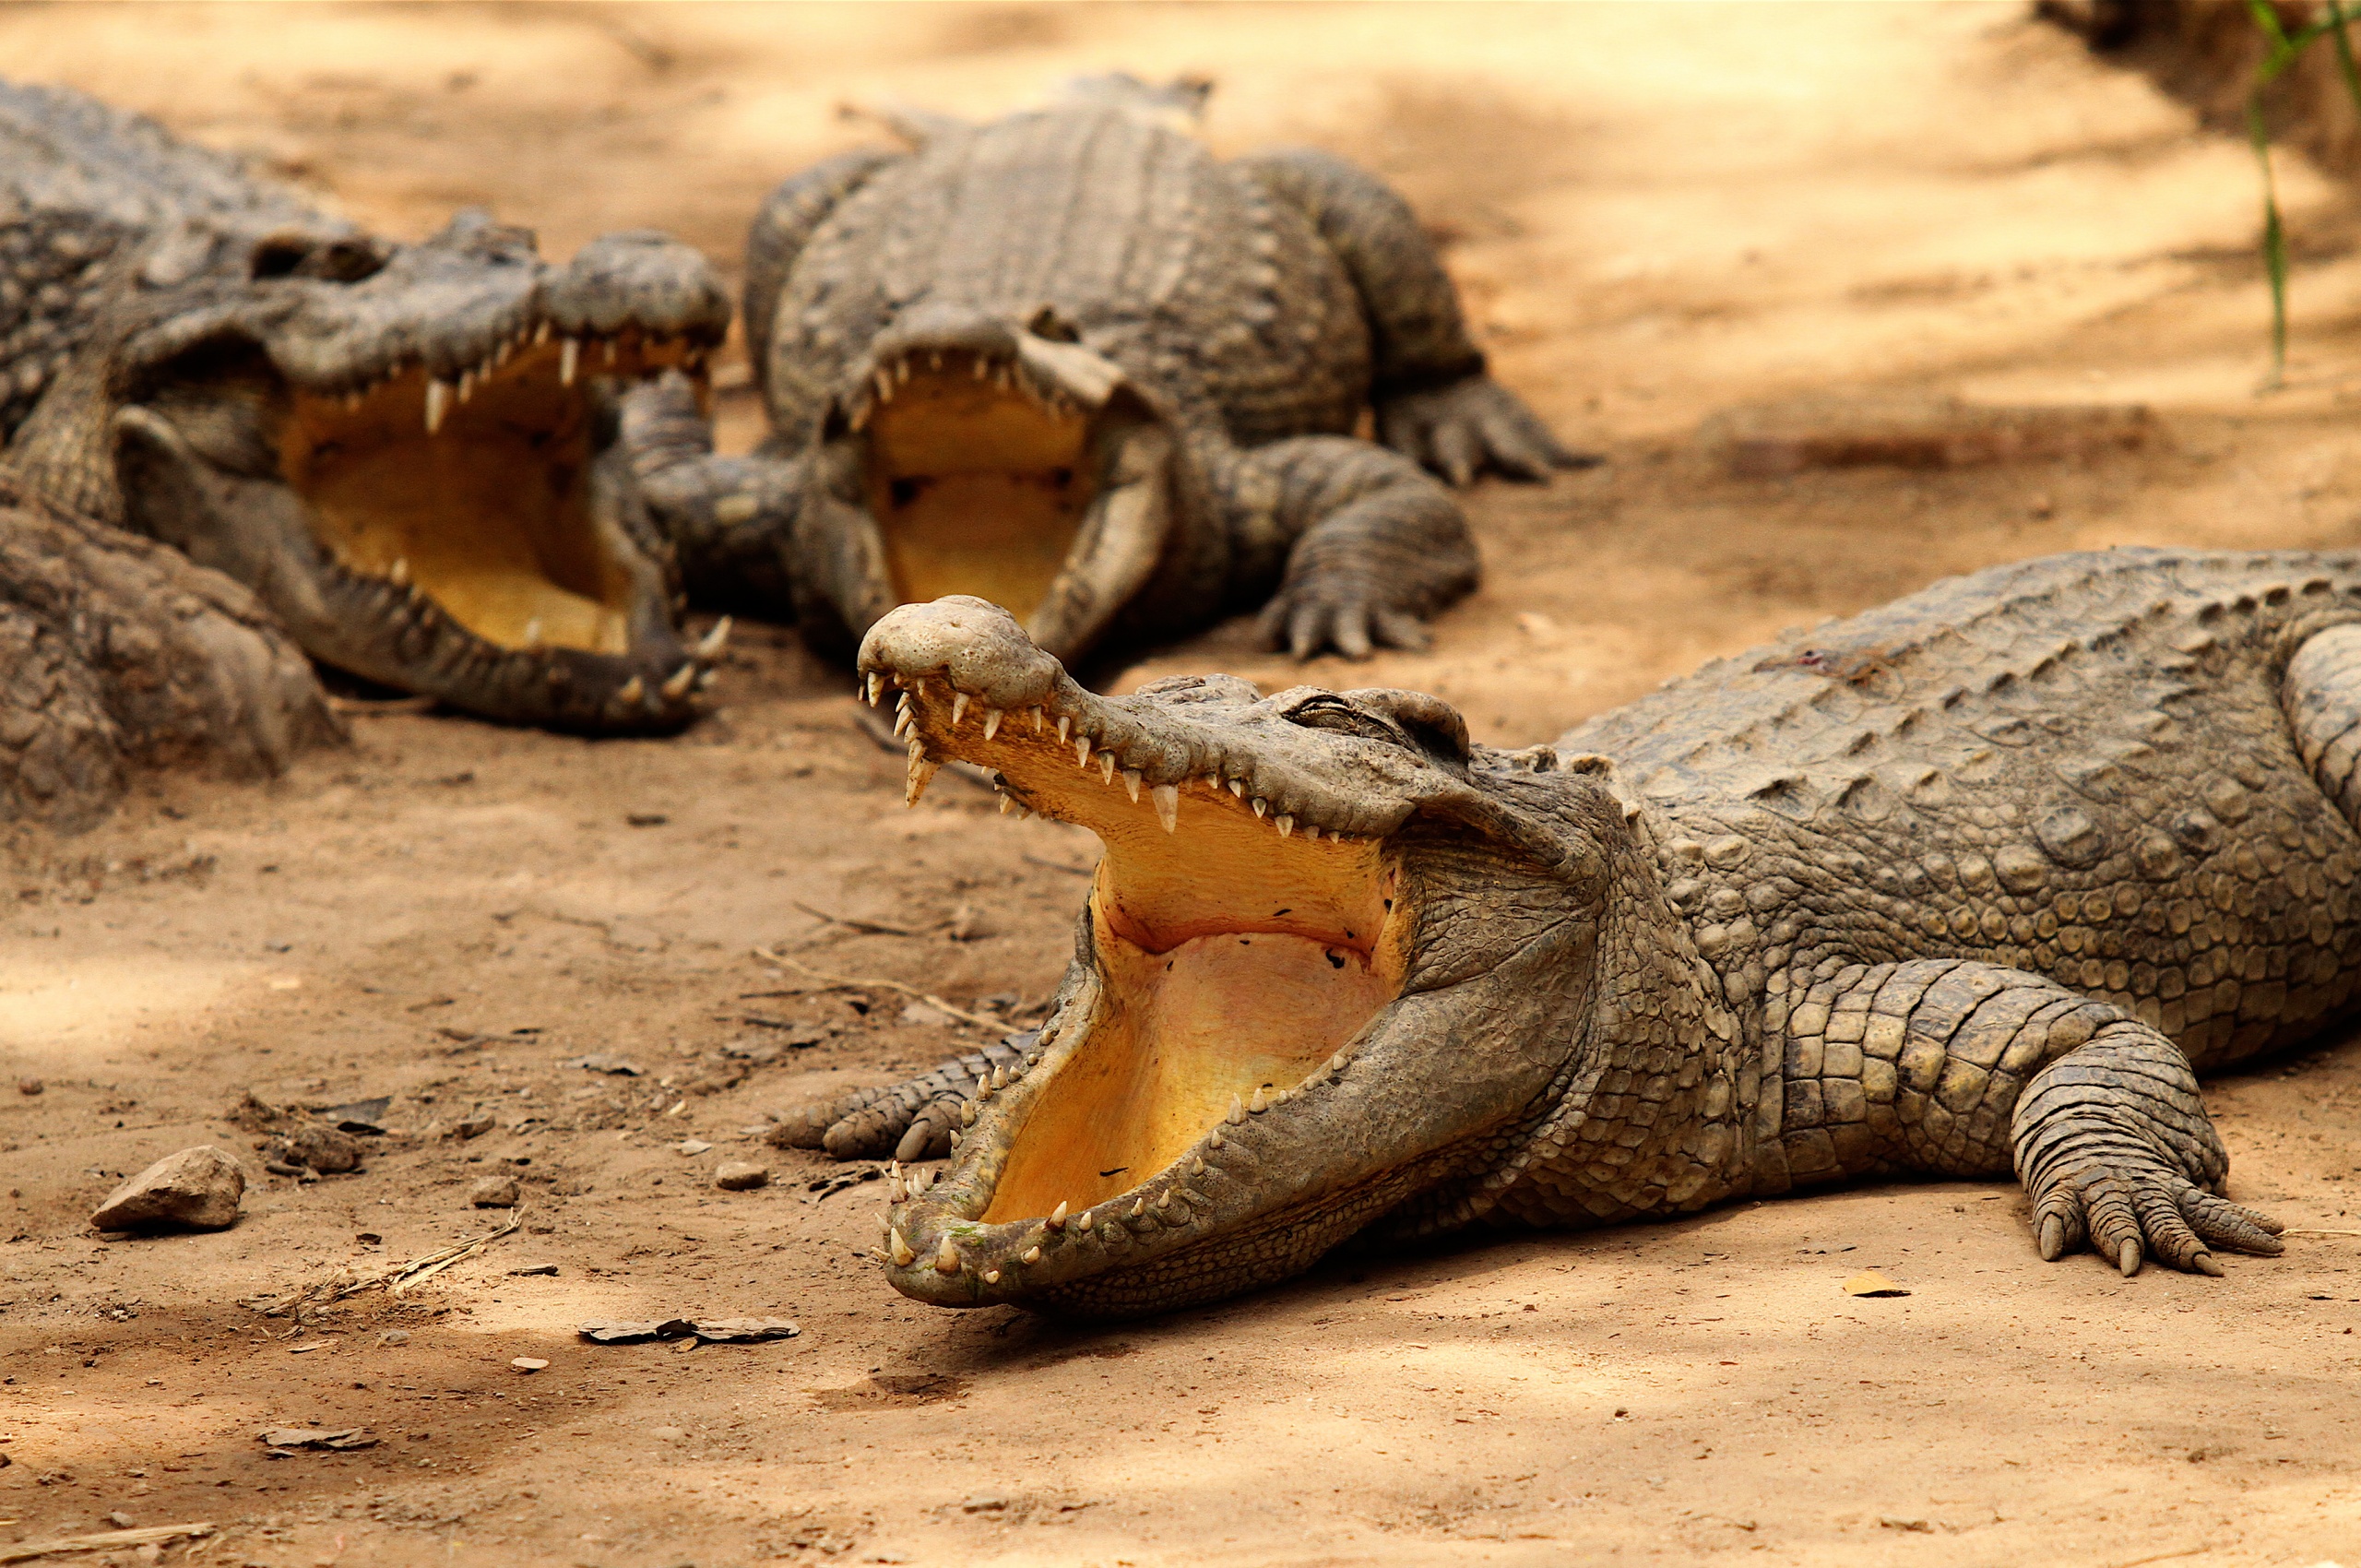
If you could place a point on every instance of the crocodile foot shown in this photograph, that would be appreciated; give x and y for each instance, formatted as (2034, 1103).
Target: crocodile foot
(2115, 1149)
(1466, 426)
(910, 1121)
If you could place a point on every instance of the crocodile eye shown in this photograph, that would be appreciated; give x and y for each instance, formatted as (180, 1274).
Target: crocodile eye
(1338, 716)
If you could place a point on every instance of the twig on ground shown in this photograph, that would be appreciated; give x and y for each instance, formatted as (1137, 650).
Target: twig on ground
(105, 1540)
(2312, 1232)
(396, 1279)
(872, 928)
(839, 982)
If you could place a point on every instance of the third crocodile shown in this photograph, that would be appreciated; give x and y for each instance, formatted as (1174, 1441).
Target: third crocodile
(1070, 362)
(1971, 882)
(406, 451)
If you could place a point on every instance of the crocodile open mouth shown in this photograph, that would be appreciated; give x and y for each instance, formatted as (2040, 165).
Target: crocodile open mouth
(476, 488)
(1240, 945)
(1015, 468)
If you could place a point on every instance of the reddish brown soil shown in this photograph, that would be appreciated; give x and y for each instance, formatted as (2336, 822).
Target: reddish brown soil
(1660, 214)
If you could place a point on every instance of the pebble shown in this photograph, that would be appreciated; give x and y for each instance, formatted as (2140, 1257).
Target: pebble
(394, 1337)
(739, 1175)
(29, 1086)
(529, 1364)
(197, 1189)
(120, 1520)
(493, 1192)
(474, 1126)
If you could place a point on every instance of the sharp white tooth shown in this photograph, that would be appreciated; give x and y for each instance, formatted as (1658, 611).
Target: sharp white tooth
(1084, 1221)
(958, 707)
(1040, 718)
(901, 372)
(1311, 830)
(1286, 826)
(902, 1254)
(1132, 784)
(991, 722)
(904, 723)
(902, 703)
(1167, 805)
(1064, 724)
(634, 689)
(1260, 806)
(718, 638)
(438, 402)
(1236, 1116)
(1238, 787)
(533, 633)
(678, 686)
(1139, 1207)
(1214, 1139)
(885, 384)
(1057, 1220)
(1107, 768)
(1032, 1254)
(1007, 804)
(467, 385)
(946, 1259)
(540, 332)
(917, 688)
(1082, 751)
(860, 419)
(706, 679)
(399, 574)
(1258, 1104)
(1000, 1076)
(1337, 1062)
(922, 772)
(876, 689)
(991, 1277)
(569, 360)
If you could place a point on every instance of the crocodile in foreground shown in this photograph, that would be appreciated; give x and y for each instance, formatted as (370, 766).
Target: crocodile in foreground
(407, 451)
(1968, 882)
(1070, 362)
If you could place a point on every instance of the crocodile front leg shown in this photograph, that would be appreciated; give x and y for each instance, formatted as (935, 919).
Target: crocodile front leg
(728, 520)
(1962, 1068)
(1373, 545)
(1434, 400)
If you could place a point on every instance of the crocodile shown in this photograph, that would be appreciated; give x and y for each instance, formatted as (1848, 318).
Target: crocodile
(118, 654)
(407, 452)
(1970, 884)
(1070, 362)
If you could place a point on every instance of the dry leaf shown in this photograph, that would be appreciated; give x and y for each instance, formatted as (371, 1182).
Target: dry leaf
(1869, 1282)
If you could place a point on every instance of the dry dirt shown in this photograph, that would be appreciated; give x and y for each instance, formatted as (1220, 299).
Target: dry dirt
(1659, 215)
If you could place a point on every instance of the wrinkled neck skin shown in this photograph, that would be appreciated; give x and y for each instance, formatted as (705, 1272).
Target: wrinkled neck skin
(970, 455)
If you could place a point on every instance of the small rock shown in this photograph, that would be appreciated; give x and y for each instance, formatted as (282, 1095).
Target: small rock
(984, 1502)
(360, 1116)
(739, 1175)
(1916, 1527)
(667, 1434)
(604, 1061)
(394, 1337)
(29, 1086)
(692, 1146)
(474, 1125)
(120, 1520)
(197, 1189)
(529, 1364)
(493, 1192)
(971, 924)
(320, 1148)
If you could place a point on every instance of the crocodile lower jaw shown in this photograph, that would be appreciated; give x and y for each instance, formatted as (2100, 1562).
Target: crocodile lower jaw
(1237, 953)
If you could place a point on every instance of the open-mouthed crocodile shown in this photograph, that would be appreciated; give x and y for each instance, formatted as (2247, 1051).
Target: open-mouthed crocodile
(1071, 363)
(407, 451)
(1972, 882)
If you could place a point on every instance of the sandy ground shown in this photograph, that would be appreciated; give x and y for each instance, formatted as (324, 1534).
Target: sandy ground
(1659, 214)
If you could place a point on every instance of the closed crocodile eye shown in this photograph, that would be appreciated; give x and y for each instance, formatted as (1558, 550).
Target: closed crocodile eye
(1339, 717)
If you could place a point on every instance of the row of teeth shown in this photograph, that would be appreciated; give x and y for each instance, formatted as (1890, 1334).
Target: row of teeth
(1164, 798)
(1174, 1207)
(890, 379)
(698, 674)
(442, 392)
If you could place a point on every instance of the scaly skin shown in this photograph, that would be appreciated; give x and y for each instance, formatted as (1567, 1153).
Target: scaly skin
(1974, 882)
(1219, 326)
(116, 653)
(405, 451)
